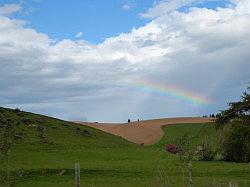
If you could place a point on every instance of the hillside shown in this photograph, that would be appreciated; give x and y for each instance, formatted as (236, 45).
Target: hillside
(107, 160)
(145, 132)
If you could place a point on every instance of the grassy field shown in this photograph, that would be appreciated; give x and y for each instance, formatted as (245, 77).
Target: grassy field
(108, 160)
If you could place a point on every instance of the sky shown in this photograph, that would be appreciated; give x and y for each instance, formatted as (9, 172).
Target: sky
(108, 61)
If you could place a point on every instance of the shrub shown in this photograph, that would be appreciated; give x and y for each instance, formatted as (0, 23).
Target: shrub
(235, 123)
(172, 148)
(236, 142)
(17, 110)
(204, 152)
(42, 134)
(26, 121)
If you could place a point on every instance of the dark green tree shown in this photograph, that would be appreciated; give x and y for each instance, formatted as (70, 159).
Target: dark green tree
(235, 123)
(239, 109)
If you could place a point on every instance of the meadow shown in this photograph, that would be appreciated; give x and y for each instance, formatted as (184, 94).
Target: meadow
(107, 160)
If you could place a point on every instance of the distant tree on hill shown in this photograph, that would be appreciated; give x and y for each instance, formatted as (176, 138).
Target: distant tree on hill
(128, 120)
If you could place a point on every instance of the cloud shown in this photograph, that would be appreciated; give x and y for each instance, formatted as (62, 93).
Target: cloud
(79, 34)
(166, 6)
(9, 9)
(126, 7)
(202, 50)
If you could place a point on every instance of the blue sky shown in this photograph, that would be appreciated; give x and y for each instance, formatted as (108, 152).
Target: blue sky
(98, 68)
(213, 4)
(95, 19)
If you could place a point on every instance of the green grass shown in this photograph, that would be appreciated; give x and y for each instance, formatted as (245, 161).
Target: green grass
(108, 160)
(196, 133)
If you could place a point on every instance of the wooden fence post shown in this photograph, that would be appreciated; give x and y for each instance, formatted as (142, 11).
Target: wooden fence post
(190, 173)
(77, 174)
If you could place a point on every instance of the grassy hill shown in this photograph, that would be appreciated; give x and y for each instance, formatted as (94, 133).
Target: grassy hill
(108, 160)
(196, 134)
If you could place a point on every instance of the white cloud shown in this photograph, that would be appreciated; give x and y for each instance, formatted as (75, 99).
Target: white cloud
(9, 9)
(165, 7)
(126, 7)
(79, 34)
(206, 51)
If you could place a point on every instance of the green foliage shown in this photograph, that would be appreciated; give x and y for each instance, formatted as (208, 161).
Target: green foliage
(236, 141)
(239, 109)
(197, 141)
(187, 152)
(42, 134)
(235, 122)
(7, 132)
(205, 152)
(108, 160)
(189, 136)
(8, 137)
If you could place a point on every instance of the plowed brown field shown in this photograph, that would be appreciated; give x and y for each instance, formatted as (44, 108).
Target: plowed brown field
(147, 132)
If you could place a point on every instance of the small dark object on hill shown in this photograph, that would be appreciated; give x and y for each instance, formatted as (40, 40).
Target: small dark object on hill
(19, 173)
(78, 131)
(21, 114)
(42, 133)
(62, 172)
(27, 121)
(128, 120)
(39, 120)
(17, 110)
(18, 137)
(142, 144)
(82, 133)
(172, 148)
(85, 131)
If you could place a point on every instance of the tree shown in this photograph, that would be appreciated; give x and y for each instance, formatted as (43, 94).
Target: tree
(235, 123)
(239, 109)
(236, 142)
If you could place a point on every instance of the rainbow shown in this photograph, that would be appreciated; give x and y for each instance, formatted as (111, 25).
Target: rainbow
(171, 90)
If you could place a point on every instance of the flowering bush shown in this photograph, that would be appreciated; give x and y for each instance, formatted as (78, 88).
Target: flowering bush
(205, 152)
(172, 148)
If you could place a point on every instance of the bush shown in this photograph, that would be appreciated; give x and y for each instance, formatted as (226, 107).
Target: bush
(172, 148)
(236, 142)
(235, 123)
(17, 110)
(204, 152)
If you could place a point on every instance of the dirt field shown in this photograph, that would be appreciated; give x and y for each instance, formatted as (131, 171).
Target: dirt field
(147, 132)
